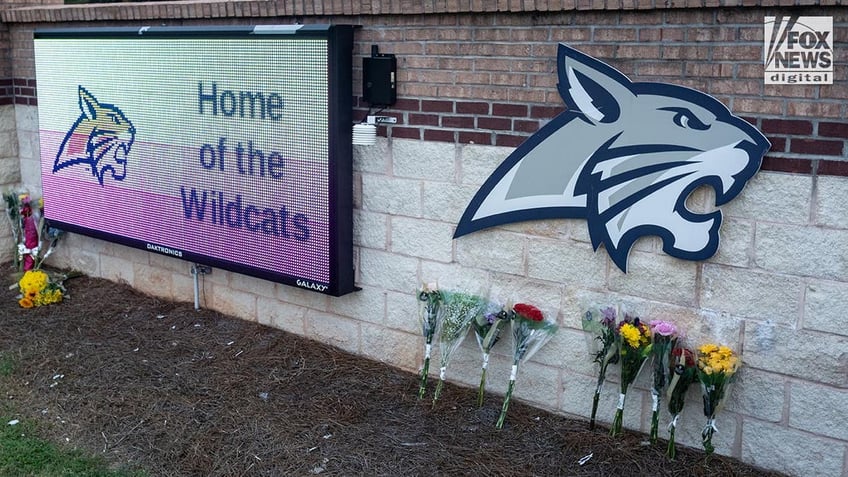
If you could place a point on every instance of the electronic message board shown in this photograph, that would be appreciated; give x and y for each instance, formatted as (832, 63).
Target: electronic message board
(227, 146)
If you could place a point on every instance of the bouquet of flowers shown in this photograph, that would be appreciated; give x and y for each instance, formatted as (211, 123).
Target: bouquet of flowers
(530, 331)
(456, 313)
(664, 336)
(37, 289)
(34, 238)
(429, 300)
(603, 348)
(487, 328)
(717, 366)
(683, 374)
(634, 347)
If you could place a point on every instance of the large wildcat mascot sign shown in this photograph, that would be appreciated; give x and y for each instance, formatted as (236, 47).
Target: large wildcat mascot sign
(624, 156)
(100, 139)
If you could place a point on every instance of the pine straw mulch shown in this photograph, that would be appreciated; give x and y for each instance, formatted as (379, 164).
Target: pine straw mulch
(161, 387)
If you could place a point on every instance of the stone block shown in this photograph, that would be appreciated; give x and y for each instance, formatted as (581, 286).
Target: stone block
(750, 294)
(806, 251)
(26, 118)
(374, 158)
(657, 277)
(757, 394)
(422, 238)
(367, 304)
(431, 161)
(538, 385)
(152, 280)
(390, 346)
(236, 303)
(390, 195)
(824, 307)
(388, 271)
(257, 286)
(567, 262)
(343, 333)
(577, 393)
(454, 277)
(285, 316)
(478, 162)
(736, 246)
(370, 229)
(445, 201)
(116, 269)
(831, 207)
(402, 313)
(796, 453)
(492, 249)
(819, 410)
(8, 144)
(780, 197)
(808, 355)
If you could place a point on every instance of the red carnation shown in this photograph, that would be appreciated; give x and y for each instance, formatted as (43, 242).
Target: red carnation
(528, 311)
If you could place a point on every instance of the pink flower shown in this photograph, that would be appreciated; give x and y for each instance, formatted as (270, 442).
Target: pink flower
(663, 328)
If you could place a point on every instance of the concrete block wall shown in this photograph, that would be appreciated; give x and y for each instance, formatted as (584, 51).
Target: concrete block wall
(476, 79)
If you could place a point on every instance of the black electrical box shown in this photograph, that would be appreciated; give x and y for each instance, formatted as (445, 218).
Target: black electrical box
(379, 73)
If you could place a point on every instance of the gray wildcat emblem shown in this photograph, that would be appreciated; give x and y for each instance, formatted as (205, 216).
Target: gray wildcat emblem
(624, 156)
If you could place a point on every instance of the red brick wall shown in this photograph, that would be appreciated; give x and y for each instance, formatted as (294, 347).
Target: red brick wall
(484, 72)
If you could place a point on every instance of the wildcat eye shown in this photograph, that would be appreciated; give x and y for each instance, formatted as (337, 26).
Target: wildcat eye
(687, 119)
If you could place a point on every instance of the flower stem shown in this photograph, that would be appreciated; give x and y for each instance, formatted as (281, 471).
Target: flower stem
(655, 422)
(424, 372)
(482, 388)
(438, 391)
(671, 450)
(617, 422)
(502, 417)
(594, 410)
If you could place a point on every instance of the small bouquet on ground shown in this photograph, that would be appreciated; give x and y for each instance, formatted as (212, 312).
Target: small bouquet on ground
(684, 373)
(34, 238)
(429, 300)
(530, 331)
(603, 348)
(664, 337)
(634, 347)
(457, 311)
(717, 366)
(487, 328)
(38, 289)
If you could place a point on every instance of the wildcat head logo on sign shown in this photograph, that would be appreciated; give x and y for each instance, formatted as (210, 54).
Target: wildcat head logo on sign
(625, 156)
(100, 140)
(798, 50)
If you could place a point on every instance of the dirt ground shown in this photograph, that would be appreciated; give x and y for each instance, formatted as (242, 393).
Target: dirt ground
(178, 392)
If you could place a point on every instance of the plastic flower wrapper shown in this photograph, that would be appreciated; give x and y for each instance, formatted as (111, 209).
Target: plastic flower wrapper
(487, 328)
(634, 346)
(684, 373)
(601, 326)
(530, 331)
(457, 311)
(664, 336)
(48, 237)
(13, 212)
(717, 366)
(429, 299)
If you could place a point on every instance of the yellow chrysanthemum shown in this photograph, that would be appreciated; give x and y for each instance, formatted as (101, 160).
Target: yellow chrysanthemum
(708, 348)
(631, 334)
(33, 281)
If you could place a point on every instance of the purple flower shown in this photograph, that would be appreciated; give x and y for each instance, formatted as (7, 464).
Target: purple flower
(609, 316)
(663, 328)
(490, 318)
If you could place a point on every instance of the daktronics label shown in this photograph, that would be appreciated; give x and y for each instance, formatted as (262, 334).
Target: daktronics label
(798, 50)
(227, 146)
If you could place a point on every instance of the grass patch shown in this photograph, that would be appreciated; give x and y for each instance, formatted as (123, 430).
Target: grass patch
(23, 453)
(7, 365)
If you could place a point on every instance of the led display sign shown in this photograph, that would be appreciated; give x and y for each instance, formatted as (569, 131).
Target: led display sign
(227, 146)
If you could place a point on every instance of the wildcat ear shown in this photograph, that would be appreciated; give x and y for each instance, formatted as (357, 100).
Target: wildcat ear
(596, 89)
(88, 104)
